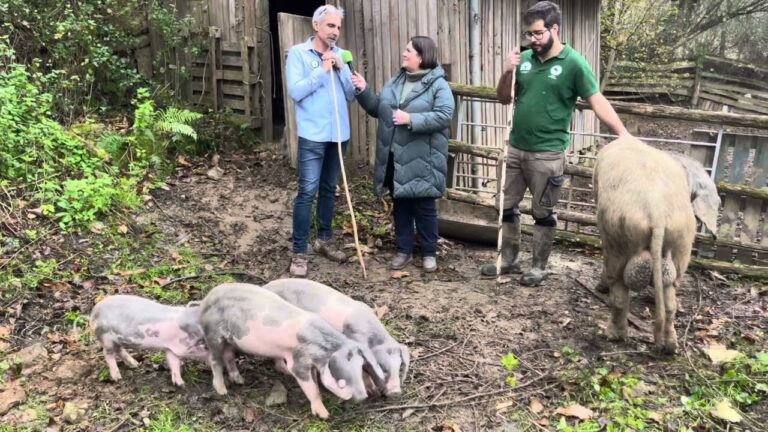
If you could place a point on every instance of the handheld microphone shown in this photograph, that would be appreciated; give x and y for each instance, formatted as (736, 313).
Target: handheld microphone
(346, 57)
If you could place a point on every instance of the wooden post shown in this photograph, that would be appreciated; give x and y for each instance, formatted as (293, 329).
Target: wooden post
(214, 50)
(245, 60)
(697, 82)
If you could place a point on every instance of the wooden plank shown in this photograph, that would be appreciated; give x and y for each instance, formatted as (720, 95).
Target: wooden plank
(760, 85)
(749, 227)
(237, 104)
(226, 89)
(726, 148)
(739, 104)
(234, 75)
(231, 60)
(246, 88)
(760, 166)
(741, 150)
(214, 37)
(727, 227)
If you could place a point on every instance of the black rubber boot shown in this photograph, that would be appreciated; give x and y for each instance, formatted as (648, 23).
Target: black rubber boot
(543, 237)
(510, 249)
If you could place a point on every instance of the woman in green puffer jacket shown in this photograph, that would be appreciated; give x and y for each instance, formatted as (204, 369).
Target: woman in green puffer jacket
(414, 110)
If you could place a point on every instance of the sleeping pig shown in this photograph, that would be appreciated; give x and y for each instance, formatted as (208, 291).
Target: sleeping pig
(252, 320)
(647, 205)
(353, 318)
(126, 321)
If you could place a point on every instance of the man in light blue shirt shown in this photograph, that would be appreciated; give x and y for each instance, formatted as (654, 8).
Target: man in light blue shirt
(308, 73)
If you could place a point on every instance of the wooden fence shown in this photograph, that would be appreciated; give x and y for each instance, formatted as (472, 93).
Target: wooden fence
(706, 83)
(741, 167)
(224, 61)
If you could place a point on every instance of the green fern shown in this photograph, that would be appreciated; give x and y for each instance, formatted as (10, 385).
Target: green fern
(177, 122)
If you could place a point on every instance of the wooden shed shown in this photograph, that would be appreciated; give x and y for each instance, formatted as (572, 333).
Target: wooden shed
(240, 69)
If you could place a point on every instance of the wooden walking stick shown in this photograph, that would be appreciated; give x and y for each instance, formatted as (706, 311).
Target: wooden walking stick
(502, 181)
(344, 174)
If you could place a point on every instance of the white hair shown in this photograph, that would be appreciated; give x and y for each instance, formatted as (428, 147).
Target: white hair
(324, 10)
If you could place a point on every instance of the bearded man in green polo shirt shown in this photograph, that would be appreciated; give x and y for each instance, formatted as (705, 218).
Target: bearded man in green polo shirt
(550, 76)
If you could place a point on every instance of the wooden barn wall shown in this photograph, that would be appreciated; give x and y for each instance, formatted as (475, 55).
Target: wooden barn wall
(377, 30)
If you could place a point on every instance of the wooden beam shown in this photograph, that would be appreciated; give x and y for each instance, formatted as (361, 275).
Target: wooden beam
(660, 111)
(747, 191)
(462, 147)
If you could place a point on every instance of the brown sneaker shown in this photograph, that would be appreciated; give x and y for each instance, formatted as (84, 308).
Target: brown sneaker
(299, 265)
(328, 249)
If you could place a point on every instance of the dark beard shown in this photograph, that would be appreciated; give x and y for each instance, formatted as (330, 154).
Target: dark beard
(544, 49)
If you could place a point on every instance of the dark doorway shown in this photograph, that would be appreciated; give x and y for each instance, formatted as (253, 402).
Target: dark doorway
(305, 8)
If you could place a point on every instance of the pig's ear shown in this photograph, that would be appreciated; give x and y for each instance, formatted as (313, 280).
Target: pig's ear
(704, 196)
(372, 365)
(405, 357)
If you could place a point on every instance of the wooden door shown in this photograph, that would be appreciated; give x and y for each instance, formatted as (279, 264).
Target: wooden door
(293, 29)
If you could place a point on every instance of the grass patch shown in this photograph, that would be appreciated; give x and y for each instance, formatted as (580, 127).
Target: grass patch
(627, 396)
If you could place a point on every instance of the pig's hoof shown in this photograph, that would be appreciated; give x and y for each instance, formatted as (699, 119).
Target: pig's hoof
(615, 334)
(220, 388)
(236, 378)
(131, 363)
(321, 412)
(116, 376)
(178, 382)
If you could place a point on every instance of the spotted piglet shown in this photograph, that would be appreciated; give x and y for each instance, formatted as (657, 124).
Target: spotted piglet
(353, 318)
(249, 319)
(126, 321)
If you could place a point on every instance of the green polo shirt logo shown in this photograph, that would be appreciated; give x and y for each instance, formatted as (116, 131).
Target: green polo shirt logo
(555, 71)
(546, 97)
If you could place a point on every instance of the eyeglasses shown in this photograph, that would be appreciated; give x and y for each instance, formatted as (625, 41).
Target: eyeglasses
(536, 34)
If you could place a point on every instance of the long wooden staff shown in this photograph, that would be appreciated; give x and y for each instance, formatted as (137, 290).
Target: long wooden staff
(344, 174)
(503, 180)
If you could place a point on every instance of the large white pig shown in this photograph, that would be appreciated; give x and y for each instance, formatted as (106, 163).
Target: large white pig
(126, 321)
(353, 318)
(246, 318)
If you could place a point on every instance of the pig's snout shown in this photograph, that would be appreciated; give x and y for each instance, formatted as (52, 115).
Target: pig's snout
(392, 387)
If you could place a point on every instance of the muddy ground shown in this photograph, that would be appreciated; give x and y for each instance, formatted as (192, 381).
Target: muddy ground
(457, 325)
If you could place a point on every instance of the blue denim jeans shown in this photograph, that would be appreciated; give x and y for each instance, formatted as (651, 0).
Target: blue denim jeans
(318, 171)
(422, 212)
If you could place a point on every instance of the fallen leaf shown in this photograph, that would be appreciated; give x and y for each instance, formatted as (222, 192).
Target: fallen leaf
(175, 257)
(215, 173)
(720, 354)
(381, 311)
(122, 229)
(5, 331)
(57, 286)
(575, 410)
(400, 274)
(501, 280)
(181, 160)
(408, 412)
(161, 281)
(89, 284)
(416, 352)
(725, 411)
(501, 406)
(543, 422)
(536, 406)
(215, 159)
(717, 276)
(97, 227)
(38, 211)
